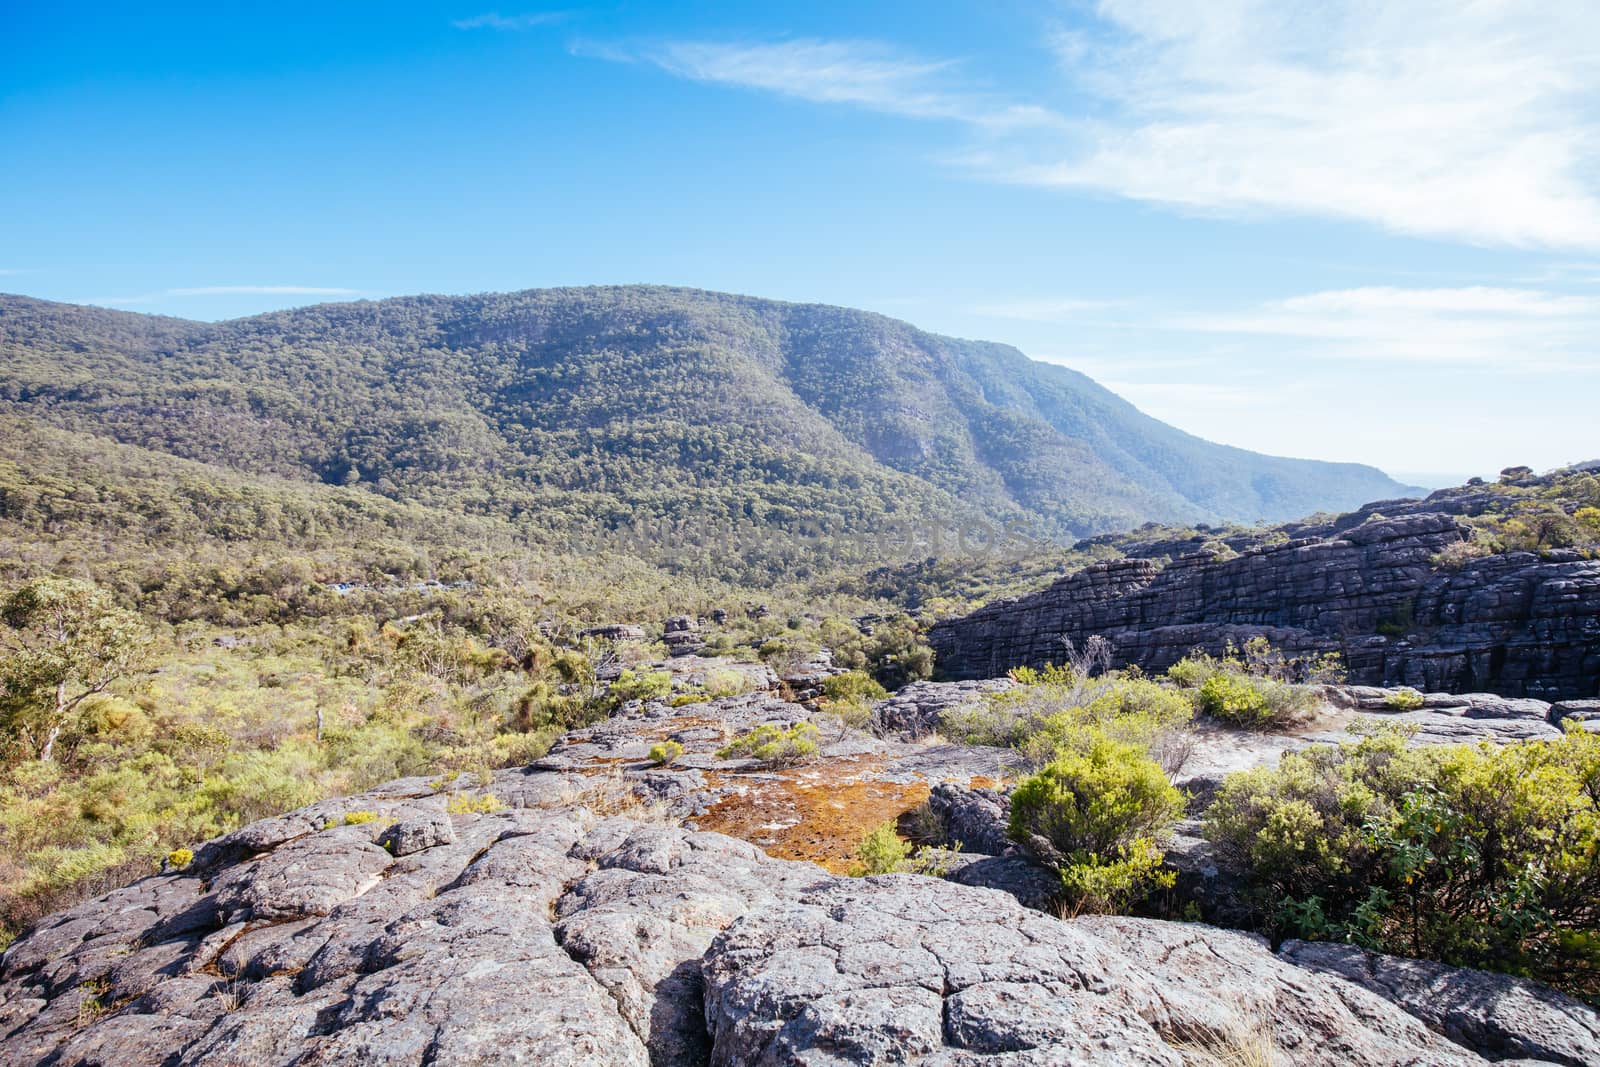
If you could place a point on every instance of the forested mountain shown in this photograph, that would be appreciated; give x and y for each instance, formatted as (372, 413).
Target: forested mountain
(706, 425)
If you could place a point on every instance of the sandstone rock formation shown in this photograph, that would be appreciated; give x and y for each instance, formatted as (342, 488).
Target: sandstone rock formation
(547, 932)
(1516, 624)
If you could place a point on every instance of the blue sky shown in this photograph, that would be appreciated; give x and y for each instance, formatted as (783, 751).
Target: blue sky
(1364, 231)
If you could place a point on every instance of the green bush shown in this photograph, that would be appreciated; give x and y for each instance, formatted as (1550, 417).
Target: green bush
(1251, 690)
(665, 752)
(882, 851)
(775, 746)
(1056, 710)
(649, 685)
(1099, 816)
(853, 685)
(1477, 856)
(1406, 699)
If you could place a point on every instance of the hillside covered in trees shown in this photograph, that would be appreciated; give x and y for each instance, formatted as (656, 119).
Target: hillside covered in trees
(720, 434)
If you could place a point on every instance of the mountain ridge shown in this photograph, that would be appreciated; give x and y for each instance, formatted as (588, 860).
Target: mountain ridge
(647, 402)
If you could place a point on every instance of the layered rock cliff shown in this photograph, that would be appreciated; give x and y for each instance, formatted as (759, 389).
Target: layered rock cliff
(1367, 587)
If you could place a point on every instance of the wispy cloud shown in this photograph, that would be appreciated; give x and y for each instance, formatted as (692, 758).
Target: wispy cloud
(1466, 122)
(1521, 330)
(1472, 122)
(493, 20)
(224, 290)
(864, 74)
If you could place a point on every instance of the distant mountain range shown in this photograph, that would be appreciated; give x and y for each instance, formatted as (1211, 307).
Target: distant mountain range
(582, 411)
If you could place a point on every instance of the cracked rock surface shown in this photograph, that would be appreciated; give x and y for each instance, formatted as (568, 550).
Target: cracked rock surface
(567, 928)
(418, 925)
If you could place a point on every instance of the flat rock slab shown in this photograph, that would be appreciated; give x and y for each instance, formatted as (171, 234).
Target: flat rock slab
(900, 969)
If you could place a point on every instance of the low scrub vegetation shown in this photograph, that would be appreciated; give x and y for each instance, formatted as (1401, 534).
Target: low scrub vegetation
(775, 746)
(665, 752)
(1256, 686)
(1059, 709)
(1477, 856)
(1100, 816)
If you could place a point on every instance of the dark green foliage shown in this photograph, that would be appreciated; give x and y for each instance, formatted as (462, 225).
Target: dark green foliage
(697, 429)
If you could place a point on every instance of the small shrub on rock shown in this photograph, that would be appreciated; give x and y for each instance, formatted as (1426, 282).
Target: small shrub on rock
(775, 746)
(665, 752)
(853, 685)
(179, 858)
(1058, 709)
(1099, 816)
(467, 804)
(648, 685)
(1251, 687)
(1406, 699)
(882, 851)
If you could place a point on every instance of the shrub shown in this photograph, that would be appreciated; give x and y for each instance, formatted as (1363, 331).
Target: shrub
(853, 685)
(1252, 690)
(1404, 699)
(726, 683)
(683, 700)
(515, 750)
(467, 804)
(775, 746)
(180, 858)
(1477, 856)
(1458, 554)
(665, 752)
(649, 685)
(882, 851)
(1099, 817)
(358, 818)
(1058, 709)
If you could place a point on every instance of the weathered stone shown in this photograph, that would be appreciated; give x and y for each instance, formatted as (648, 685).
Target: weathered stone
(1363, 586)
(1495, 1015)
(902, 969)
(915, 711)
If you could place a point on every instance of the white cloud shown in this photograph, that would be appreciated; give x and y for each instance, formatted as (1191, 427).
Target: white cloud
(860, 73)
(1472, 122)
(1524, 330)
(495, 21)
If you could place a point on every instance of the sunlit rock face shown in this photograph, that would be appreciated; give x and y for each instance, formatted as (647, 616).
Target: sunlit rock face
(1516, 624)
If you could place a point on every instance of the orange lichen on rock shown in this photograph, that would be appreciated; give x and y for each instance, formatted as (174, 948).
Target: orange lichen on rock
(819, 812)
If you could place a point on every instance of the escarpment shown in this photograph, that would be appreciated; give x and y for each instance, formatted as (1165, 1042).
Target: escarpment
(1377, 592)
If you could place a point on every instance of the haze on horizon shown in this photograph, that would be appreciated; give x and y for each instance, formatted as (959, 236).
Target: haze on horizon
(1346, 232)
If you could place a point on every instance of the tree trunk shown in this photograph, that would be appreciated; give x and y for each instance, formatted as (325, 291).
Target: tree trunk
(49, 751)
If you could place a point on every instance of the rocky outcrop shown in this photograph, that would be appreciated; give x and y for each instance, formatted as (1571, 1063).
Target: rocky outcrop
(1501, 1017)
(418, 924)
(1515, 624)
(915, 711)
